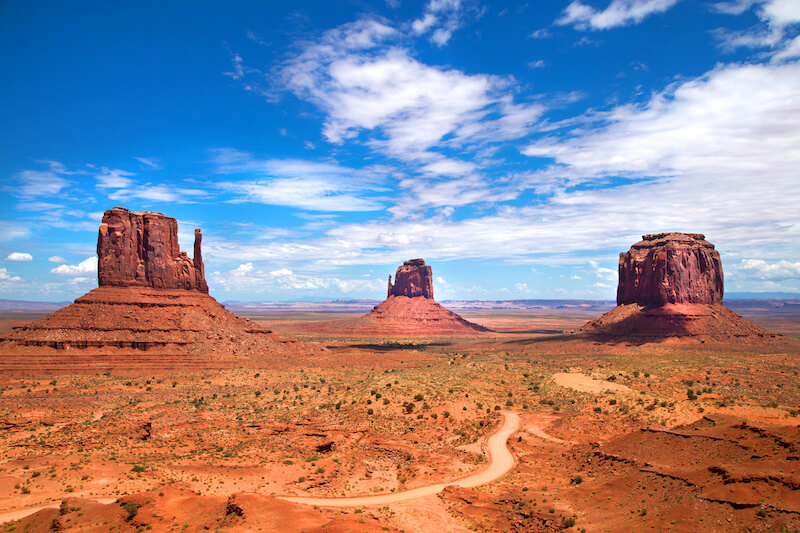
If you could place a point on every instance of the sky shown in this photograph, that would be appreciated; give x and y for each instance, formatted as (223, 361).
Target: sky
(517, 147)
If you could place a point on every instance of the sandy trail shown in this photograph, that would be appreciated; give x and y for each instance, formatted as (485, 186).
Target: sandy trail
(22, 513)
(583, 383)
(501, 461)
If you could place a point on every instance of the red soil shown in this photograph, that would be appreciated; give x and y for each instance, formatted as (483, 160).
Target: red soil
(692, 322)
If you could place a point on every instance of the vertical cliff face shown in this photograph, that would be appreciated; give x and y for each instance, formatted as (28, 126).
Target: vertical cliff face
(412, 279)
(141, 250)
(668, 268)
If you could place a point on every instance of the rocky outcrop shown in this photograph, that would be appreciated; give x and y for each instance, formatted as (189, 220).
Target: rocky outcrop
(412, 279)
(670, 268)
(670, 287)
(141, 250)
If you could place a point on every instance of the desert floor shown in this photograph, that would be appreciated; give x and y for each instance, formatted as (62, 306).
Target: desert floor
(671, 436)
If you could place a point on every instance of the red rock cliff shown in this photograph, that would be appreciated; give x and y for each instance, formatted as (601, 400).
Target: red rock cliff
(141, 250)
(670, 268)
(412, 279)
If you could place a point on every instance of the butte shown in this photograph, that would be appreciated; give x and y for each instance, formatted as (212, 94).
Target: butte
(409, 307)
(151, 311)
(671, 287)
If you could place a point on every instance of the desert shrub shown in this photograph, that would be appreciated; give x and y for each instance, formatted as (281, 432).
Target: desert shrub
(577, 480)
(409, 407)
(690, 394)
(567, 521)
(418, 397)
(370, 411)
(598, 409)
(138, 468)
(131, 508)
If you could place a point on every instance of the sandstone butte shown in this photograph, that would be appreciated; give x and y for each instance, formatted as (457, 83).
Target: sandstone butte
(409, 308)
(151, 311)
(671, 287)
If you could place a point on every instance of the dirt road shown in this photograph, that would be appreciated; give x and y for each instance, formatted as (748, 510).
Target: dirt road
(501, 461)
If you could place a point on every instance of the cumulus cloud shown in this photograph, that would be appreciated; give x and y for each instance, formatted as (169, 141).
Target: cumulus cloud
(618, 13)
(760, 269)
(19, 256)
(601, 272)
(86, 266)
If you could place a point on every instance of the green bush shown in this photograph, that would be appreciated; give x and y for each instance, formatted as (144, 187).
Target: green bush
(131, 508)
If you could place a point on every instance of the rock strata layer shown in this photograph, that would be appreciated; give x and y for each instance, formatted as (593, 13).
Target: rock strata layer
(150, 312)
(670, 268)
(413, 279)
(140, 249)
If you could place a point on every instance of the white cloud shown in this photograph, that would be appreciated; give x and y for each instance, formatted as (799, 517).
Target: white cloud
(19, 256)
(602, 272)
(285, 282)
(365, 85)
(443, 17)
(148, 162)
(114, 178)
(56, 259)
(760, 269)
(575, 277)
(298, 183)
(775, 15)
(86, 266)
(618, 13)
(11, 230)
(5, 276)
(39, 183)
(521, 287)
(160, 193)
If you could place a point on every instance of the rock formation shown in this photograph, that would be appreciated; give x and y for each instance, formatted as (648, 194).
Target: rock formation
(151, 311)
(671, 286)
(409, 308)
(670, 268)
(412, 279)
(141, 250)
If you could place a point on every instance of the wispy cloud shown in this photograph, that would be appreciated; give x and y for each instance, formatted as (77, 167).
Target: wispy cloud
(114, 178)
(6, 276)
(776, 16)
(365, 84)
(618, 13)
(441, 19)
(314, 186)
(148, 162)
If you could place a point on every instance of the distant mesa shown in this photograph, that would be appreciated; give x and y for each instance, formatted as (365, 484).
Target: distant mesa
(671, 286)
(409, 308)
(412, 279)
(151, 311)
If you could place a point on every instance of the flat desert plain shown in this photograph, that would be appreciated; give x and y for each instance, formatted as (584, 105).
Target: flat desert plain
(520, 429)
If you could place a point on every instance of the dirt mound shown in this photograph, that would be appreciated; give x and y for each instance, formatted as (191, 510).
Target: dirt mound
(687, 322)
(174, 509)
(125, 328)
(422, 316)
(718, 471)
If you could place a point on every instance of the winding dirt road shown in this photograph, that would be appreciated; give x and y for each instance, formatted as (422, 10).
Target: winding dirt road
(501, 461)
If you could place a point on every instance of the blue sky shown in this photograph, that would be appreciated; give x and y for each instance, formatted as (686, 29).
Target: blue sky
(517, 147)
